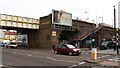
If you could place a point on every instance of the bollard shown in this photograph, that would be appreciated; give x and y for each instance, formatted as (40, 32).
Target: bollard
(94, 54)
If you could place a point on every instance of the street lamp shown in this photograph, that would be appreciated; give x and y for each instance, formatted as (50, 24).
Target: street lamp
(87, 16)
(101, 18)
(93, 21)
(114, 28)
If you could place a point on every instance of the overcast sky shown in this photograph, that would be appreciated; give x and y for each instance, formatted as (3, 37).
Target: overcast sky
(39, 8)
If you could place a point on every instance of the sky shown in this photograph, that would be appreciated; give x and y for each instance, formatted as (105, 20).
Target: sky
(78, 8)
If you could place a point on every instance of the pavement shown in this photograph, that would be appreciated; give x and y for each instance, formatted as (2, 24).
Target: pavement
(108, 51)
(103, 62)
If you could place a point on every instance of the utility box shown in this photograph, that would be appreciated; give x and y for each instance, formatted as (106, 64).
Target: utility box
(94, 54)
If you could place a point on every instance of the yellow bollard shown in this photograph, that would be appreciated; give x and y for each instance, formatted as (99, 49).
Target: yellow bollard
(94, 54)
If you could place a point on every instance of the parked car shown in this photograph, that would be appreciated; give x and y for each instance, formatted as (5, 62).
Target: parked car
(66, 49)
(12, 44)
(106, 45)
(1, 44)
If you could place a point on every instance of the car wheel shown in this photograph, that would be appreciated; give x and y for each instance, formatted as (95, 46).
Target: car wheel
(56, 52)
(101, 48)
(6, 46)
(15, 47)
(70, 53)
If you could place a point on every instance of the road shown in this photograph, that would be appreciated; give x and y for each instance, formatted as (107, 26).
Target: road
(43, 58)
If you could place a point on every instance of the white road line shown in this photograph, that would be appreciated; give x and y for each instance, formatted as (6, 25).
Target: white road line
(110, 59)
(61, 60)
(28, 54)
(21, 53)
(2, 65)
(116, 60)
(50, 58)
(76, 64)
(107, 55)
(83, 51)
(81, 63)
(14, 52)
(72, 66)
(103, 56)
(36, 52)
(39, 56)
(98, 57)
(4, 50)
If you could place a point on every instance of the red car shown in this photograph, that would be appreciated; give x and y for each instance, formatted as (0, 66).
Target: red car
(66, 49)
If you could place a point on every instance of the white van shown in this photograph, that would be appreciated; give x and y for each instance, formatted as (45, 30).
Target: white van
(13, 44)
(7, 44)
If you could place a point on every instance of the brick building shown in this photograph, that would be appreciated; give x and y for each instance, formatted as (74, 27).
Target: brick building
(81, 31)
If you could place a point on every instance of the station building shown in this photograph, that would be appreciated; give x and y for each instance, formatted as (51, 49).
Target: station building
(80, 31)
(46, 31)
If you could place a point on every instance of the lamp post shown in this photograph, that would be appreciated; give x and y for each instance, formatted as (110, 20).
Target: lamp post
(114, 28)
(101, 18)
(93, 21)
(87, 16)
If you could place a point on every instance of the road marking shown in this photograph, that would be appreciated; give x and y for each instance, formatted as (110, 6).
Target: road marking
(14, 52)
(87, 53)
(28, 54)
(61, 60)
(36, 52)
(116, 60)
(103, 56)
(98, 57)
(110, 59)
(72, 66)
(107, 55)
(81, 63)
(39, 56)
(21, 53)
(50, 58)
(4, 50)
(83, 51)
(2, 65)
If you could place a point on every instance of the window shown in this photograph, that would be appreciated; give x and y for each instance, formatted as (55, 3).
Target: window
(59, 46)
(64, 46)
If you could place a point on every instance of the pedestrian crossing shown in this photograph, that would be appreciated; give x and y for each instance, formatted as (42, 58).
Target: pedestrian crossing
(114, 59)
(107, 57)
